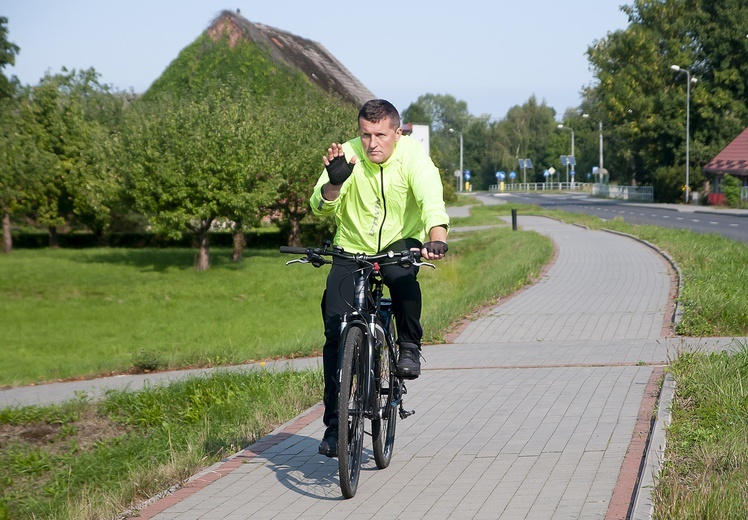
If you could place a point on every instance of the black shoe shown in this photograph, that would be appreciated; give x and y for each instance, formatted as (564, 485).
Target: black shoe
(409, 365)
(329, 445)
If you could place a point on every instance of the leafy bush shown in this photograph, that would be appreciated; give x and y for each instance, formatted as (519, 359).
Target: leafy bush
(668, 184)
(731, 188)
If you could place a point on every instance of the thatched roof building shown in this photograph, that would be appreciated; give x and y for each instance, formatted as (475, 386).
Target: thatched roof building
(316, 62)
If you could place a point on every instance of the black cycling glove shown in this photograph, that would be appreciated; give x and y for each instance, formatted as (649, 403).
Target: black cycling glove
(339, 170)
(436, 247)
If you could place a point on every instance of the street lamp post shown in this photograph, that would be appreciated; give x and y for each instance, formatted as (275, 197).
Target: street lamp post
(462, 172)
(572, 148)
(601, 146)
(689, 79)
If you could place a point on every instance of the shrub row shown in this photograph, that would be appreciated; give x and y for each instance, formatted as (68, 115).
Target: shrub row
(139, 240)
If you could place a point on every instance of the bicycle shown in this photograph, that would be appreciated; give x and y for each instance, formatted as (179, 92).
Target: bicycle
(369, 386)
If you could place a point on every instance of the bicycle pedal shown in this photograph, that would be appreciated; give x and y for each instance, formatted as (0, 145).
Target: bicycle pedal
(404, 414)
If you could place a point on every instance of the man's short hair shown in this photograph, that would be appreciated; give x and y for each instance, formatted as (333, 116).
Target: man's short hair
(375, 110)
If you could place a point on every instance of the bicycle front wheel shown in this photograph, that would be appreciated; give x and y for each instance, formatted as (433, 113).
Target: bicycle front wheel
(351, 406)
(383, 427)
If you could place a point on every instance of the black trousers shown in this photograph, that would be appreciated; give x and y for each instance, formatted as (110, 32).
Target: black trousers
(337, 300)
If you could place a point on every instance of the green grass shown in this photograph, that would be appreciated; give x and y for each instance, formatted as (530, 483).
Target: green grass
(706, 468)
(85, 460)
(84, 313)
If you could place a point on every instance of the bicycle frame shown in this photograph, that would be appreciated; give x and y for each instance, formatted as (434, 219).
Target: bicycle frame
(367, 315)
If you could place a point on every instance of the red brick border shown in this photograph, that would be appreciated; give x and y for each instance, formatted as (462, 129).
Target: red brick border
(628, 478)
(223, 468)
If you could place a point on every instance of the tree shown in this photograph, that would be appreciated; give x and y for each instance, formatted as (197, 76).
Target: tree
(310, 121)
(439, 111)
(633, 72)
(78, 117)
(528, 129)
(644, 102)
(10, 147)
(447, 117)
(8, 51)
(22, 165)
(720, 63)
(192, 161)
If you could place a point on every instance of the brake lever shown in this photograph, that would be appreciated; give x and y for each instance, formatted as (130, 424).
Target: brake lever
(409, 258)
(421, 264)
(298, 261)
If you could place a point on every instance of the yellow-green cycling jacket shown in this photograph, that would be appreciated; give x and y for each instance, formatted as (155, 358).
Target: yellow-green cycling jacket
(382, 203)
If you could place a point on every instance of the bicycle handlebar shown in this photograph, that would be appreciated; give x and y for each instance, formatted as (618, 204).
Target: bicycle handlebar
(314, 255)
(294, 250)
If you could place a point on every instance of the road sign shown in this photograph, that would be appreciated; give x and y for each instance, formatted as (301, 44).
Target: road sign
(467, 175)
(564, 160)
(512, 174)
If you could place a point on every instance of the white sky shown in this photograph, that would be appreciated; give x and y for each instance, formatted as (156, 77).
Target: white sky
(493, 54)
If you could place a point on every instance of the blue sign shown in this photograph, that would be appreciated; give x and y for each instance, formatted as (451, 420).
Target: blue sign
(572, 173)
(512, 175)
(546, 173)
(500, 175)
(467, 175)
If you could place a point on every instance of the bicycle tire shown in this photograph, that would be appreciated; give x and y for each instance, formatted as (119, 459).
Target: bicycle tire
(383, 430)
(351, 406)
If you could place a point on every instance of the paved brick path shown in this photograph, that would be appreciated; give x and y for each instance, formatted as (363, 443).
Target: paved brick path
(528, 414)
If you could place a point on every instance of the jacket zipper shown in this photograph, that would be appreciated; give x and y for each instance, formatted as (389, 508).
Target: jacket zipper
(384, 207)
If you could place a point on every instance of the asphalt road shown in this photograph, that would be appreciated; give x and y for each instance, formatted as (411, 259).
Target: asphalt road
(732, 224)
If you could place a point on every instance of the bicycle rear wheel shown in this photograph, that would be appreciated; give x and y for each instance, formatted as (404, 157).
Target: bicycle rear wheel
(383, 429)
(351, 406)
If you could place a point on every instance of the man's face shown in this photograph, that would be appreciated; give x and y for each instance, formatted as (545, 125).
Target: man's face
(378, 139)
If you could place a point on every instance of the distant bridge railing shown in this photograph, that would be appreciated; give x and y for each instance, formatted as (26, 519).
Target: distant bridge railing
(542, 186)
(634, 193)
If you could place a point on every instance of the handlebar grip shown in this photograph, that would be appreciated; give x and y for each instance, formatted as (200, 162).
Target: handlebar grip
(294, 250)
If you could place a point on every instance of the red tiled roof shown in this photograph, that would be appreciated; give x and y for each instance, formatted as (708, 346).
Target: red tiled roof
(733, 159)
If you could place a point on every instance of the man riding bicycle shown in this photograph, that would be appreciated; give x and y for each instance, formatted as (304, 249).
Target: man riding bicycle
(385, 195)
